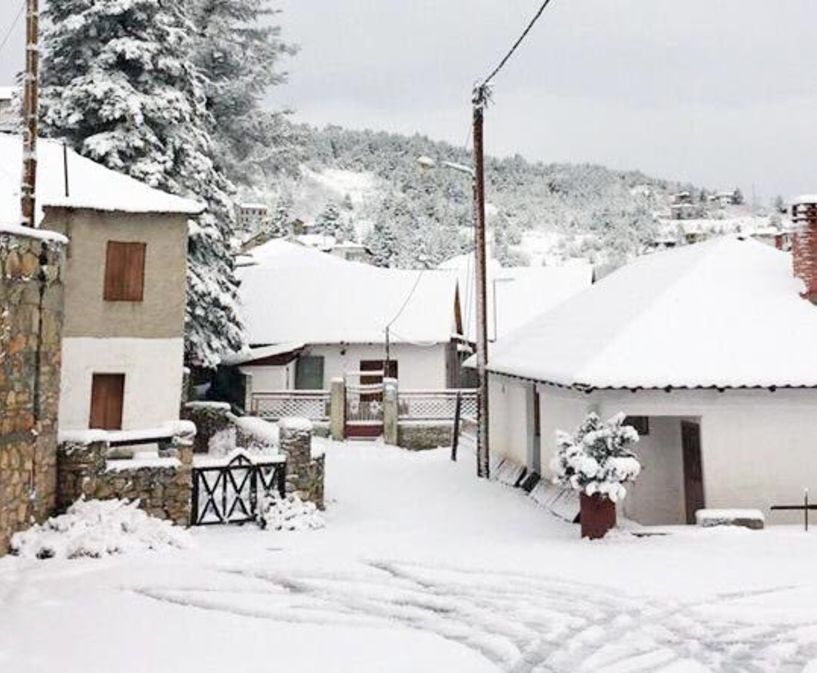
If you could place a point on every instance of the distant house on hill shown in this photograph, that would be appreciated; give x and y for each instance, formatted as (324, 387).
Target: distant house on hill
(708, 348)
(251, 216)
(311, 317)
(125, 286)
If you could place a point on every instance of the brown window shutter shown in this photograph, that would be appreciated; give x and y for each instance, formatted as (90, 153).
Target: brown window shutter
(124, 271)
(107, 401)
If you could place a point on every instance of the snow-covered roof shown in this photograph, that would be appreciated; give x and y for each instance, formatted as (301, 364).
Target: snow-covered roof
(298, 294)
(91, 185)
(260, 352)
(283, 254)
(6, 92)
(520, 293)
(725, 313)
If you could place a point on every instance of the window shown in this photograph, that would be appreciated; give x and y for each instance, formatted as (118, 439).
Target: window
(107, 397)
(378, 366)
(309, 372)
(124, 271)
(640, 423)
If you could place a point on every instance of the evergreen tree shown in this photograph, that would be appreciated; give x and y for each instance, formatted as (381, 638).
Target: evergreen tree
(328, 222)
(737, 197)
(239, 54)
(120, 88)
(281, 222)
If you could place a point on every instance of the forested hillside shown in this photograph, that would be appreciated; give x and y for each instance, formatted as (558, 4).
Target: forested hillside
(414, 217)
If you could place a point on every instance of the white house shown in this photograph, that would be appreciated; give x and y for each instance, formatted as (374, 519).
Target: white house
(311, 317)
(518, 294)
(125, 286)
(708, 348)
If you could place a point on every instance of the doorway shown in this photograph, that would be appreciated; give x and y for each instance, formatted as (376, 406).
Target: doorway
(693, 469)
(107, 399)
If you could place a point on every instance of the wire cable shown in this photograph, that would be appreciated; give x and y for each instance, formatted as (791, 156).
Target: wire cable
(13, 25)
(408, 298)
(515, 46)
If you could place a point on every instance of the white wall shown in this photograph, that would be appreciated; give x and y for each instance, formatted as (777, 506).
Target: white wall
(758, 447)
(419, 367)
(508, 418)
(657, 496)
(271, 378)
(153, 379)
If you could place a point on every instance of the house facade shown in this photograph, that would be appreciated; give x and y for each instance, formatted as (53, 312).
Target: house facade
(708, 349)
(125, 289)
(313, 317)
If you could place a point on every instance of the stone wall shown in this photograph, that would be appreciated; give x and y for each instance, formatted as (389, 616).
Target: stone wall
(162, 486)
(421, 436)
(210, 418)
(31, 318)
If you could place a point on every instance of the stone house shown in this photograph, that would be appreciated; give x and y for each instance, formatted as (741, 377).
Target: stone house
(707, 348)
(125, 288)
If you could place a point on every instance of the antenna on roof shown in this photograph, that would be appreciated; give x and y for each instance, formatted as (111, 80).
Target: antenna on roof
(65, 168)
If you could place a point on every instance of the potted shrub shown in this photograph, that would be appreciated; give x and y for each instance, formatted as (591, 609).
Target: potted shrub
(597, 460)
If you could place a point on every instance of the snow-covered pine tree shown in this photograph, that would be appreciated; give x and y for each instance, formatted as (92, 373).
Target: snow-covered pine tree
(328, 222)
(239, 50)
(120, 87)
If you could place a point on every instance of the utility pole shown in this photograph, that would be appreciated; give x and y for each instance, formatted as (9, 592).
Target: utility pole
(479, 101)
(30, 116)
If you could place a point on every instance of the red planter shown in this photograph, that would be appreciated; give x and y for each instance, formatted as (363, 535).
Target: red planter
(597, 515)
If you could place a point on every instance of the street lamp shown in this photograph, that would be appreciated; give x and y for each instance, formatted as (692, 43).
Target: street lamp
(480, 266)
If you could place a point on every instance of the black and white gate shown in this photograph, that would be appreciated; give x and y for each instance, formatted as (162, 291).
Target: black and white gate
(230, 492)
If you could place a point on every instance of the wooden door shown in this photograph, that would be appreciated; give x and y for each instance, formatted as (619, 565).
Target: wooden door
(693, 469)
(107, 397)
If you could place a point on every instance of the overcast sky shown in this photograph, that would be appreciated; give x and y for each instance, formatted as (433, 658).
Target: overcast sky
(720, 93)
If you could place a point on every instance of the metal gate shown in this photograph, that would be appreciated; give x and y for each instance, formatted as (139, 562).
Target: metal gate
(364, 410)
(230, 492)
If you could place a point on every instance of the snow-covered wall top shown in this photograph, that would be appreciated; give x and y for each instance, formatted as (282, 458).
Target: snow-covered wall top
(725, 313)
(90, 185)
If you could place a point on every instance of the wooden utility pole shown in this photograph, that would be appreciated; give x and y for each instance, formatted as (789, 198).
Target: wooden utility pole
(480, 99)
(30, 115)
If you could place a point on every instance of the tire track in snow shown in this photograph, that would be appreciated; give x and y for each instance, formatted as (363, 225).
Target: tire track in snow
(521, 623)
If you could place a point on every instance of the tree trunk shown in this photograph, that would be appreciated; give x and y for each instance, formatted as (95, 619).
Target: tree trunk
(597, 514)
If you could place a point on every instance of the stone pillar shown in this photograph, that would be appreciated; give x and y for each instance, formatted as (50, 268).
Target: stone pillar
(304, 475)
(337, 410)
(391, 411)
(79, 468)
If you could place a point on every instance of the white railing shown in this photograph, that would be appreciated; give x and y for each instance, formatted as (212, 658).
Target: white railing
(272, 406)
(435, 405)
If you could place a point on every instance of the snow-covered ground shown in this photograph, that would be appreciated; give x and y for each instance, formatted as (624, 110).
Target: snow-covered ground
(421, 567)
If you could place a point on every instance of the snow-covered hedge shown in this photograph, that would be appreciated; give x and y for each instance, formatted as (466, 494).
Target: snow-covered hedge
(97, 528)
(289, 513)
(597, 458)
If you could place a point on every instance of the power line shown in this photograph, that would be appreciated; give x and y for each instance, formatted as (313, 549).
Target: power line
(515, 46)
(13, 25)
(408, 298)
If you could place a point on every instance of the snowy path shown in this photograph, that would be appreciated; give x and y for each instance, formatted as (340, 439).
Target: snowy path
(520, 623)
(422, 568)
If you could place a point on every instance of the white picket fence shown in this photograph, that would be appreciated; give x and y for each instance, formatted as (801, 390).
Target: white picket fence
(273, 406)
(435, 405)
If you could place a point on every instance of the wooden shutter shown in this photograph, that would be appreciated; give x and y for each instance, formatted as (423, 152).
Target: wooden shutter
(107, 398)
(124, 271)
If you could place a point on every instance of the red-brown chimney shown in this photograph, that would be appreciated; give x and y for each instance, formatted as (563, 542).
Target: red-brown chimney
(804, 244)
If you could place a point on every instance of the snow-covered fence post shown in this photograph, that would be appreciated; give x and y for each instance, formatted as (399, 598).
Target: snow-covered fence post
(390, 411)
(337, 409)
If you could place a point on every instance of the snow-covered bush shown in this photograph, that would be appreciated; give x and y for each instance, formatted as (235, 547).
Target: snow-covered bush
(97, 528)
(597, 458)
(288, 513)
